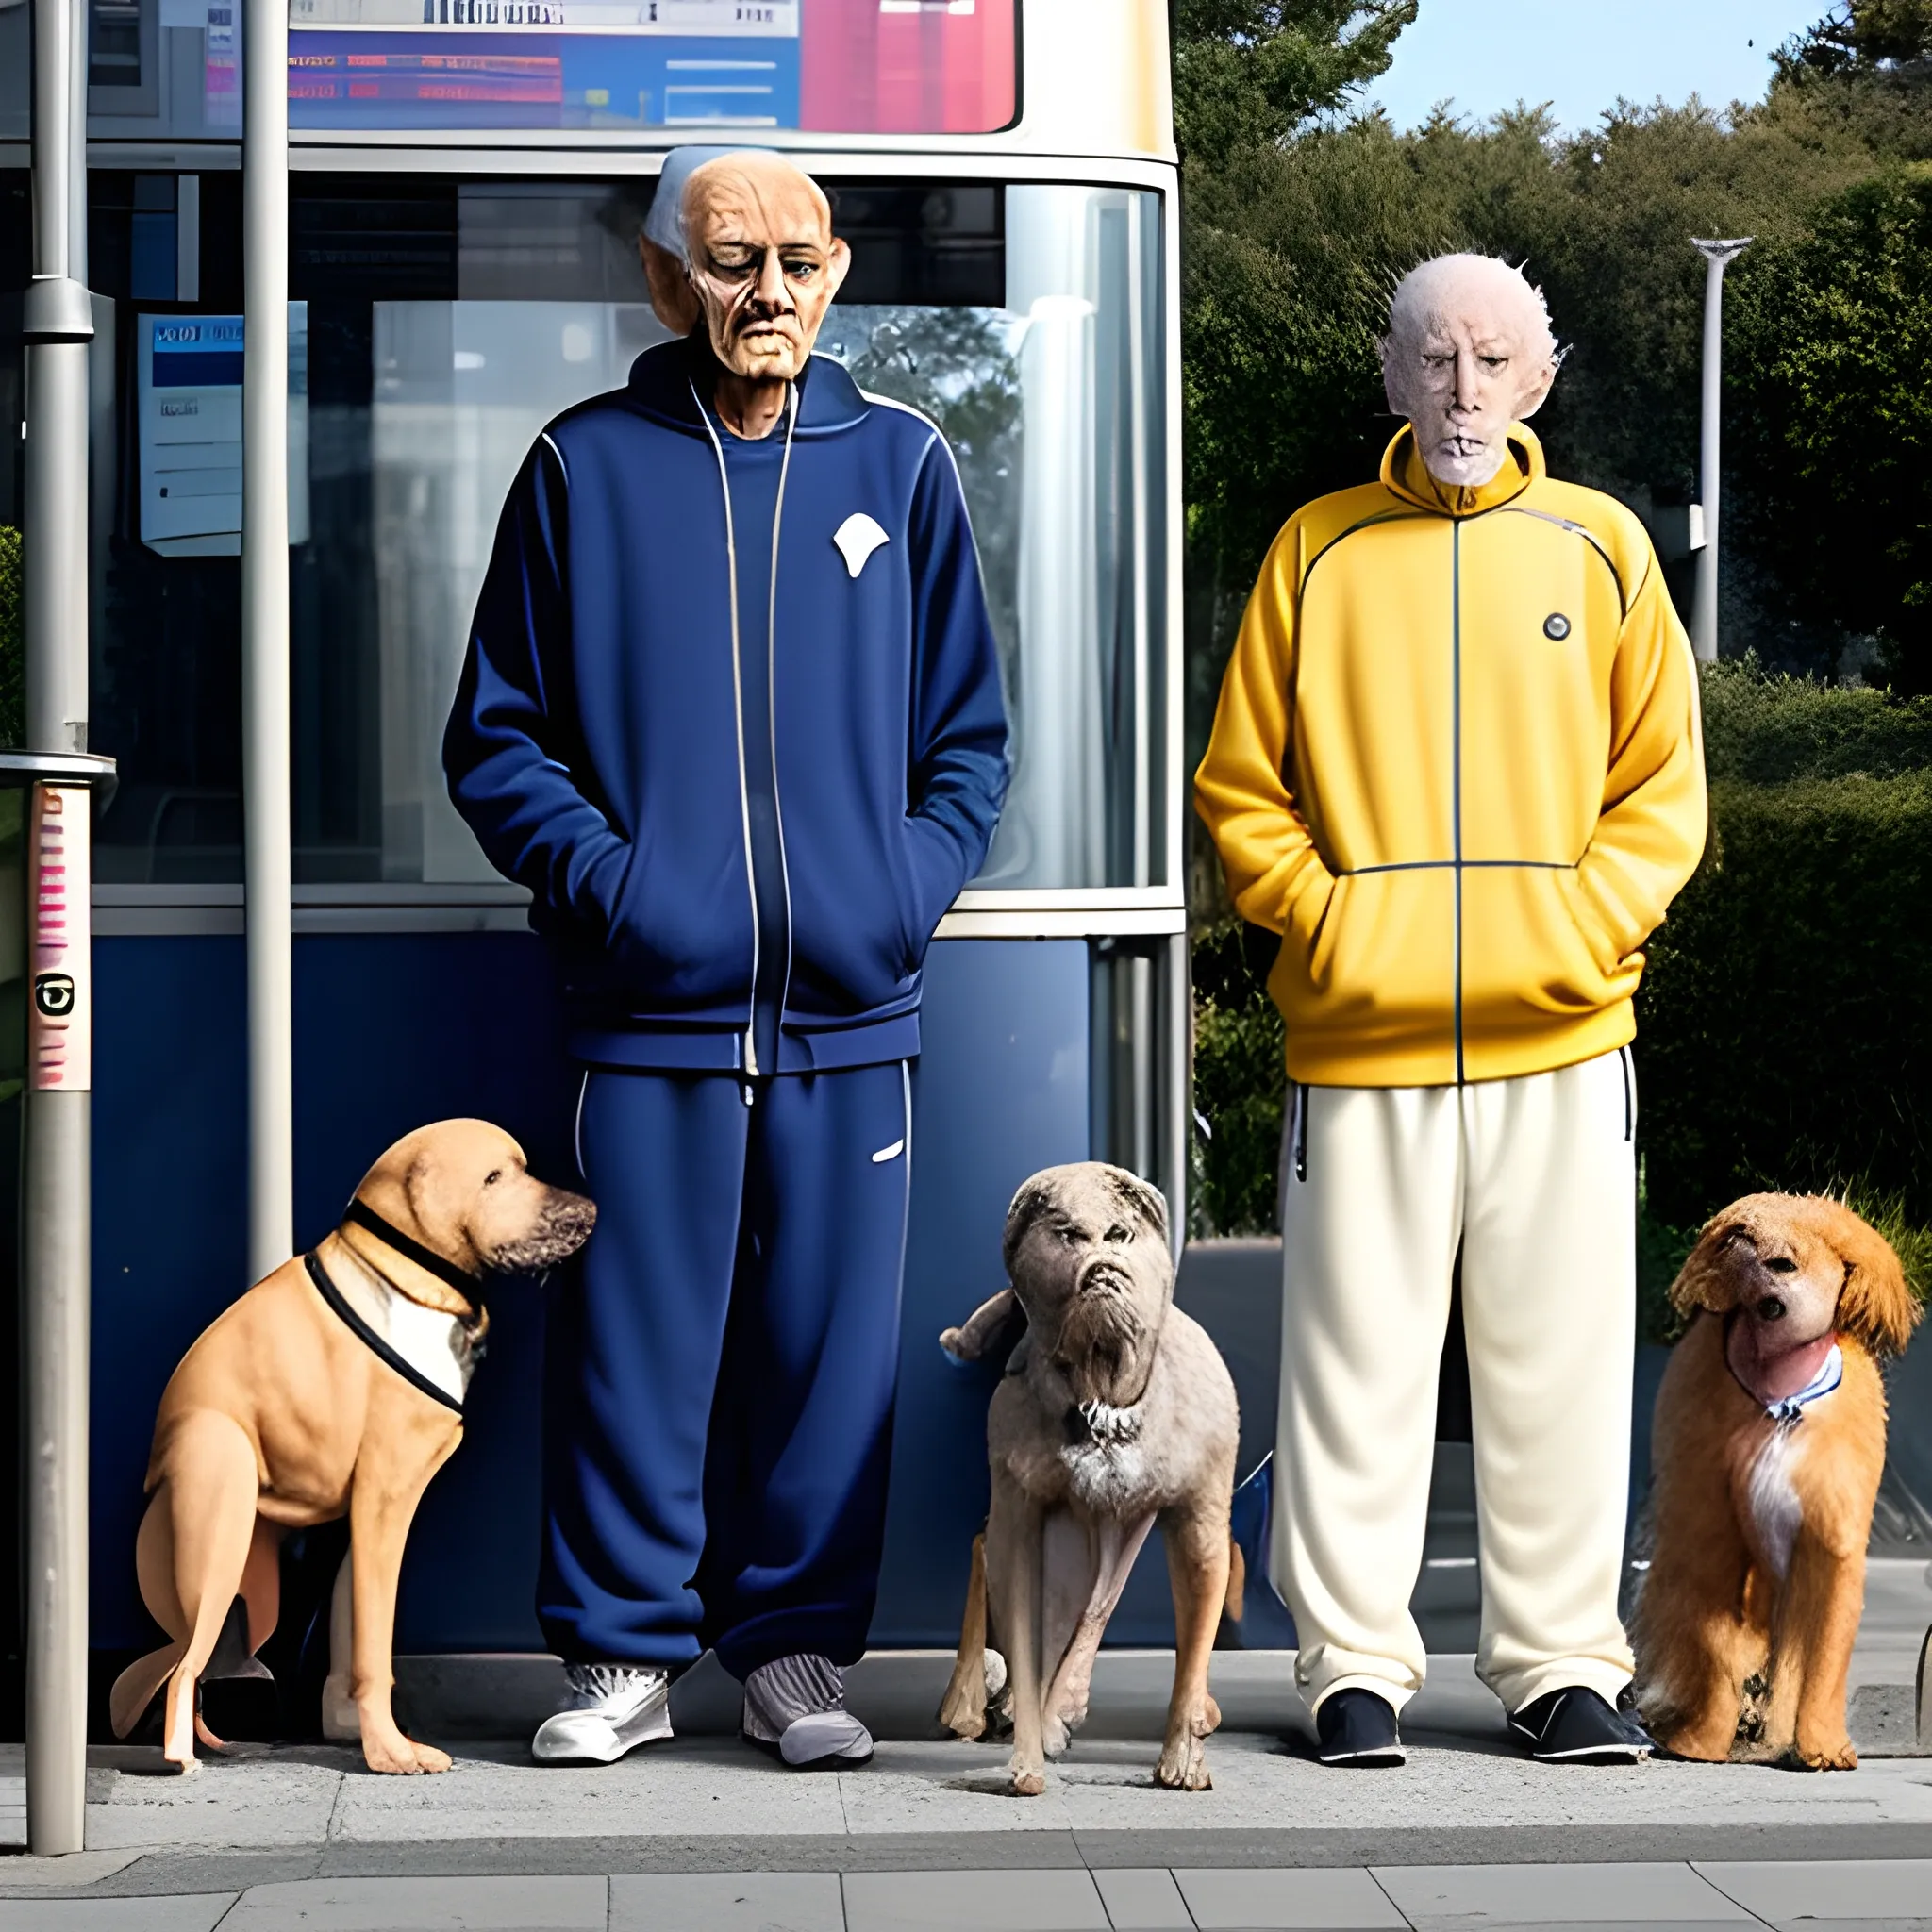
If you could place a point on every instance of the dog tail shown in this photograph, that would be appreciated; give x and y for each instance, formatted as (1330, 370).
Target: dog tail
(1237, 1583)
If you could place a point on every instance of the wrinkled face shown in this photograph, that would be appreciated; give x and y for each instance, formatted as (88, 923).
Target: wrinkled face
(1468, 353)
(763, 262)
(463, 1189)
(1087, 1250)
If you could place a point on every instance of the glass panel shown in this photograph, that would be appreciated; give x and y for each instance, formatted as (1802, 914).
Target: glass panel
(840, 66)
(1025, 321)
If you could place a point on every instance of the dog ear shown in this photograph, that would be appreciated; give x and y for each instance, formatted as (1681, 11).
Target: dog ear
(1699, 1281)
(1148, 1201)
(1876, 1303)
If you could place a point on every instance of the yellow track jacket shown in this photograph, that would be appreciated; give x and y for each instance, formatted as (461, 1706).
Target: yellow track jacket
(1458, 765)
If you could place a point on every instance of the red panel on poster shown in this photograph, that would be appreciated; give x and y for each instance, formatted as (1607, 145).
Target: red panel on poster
(906, 66)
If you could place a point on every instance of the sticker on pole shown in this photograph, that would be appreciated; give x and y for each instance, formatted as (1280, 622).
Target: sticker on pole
(59, 1016)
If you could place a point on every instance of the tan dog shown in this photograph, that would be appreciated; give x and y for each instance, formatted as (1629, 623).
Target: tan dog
(1770, 1441)
(332, 1387)
(1115, 1412)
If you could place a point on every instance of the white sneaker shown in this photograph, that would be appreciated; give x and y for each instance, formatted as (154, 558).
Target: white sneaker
(795, 1709)
(612, 1709)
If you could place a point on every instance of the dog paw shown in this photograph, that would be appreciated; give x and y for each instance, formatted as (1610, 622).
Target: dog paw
(1836, 1755)
(1053, 1737)
(396, 1757)
(1029, 1784)
(1183, 1767)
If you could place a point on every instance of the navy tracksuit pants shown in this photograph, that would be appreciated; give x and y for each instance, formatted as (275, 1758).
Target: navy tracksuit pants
(721, 1366)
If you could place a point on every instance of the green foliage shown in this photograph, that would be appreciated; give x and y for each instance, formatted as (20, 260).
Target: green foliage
(1293, 251)
(1249, 72)
(1858, 37)
(12, 642)
(1830, 336)
(1784, 1034)
(1240, 1084)
(1771, 728)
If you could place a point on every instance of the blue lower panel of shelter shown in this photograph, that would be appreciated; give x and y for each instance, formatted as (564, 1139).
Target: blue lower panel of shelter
(394, 1031)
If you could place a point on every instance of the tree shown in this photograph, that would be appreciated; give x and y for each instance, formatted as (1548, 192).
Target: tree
(1250, 72)
(1831, 343)
(1859, 34)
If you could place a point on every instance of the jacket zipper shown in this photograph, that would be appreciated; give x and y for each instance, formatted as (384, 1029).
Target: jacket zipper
(1456, 761)
(772, 709)
(751, 1057)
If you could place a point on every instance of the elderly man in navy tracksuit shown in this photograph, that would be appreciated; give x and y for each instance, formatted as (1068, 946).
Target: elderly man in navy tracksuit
(731, 711)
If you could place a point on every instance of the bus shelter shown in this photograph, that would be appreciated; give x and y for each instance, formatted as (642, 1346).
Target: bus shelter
(299, 952)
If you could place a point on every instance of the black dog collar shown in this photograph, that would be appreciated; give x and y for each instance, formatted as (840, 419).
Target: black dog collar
(366, 1217)
(405, 1369)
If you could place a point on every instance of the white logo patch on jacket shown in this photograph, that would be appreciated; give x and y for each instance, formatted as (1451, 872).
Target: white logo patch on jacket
(857, 537)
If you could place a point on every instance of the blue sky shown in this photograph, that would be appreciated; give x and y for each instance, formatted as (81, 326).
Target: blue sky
(1581, 55)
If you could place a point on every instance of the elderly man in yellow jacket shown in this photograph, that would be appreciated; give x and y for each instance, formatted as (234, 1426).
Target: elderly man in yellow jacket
(1456, 766)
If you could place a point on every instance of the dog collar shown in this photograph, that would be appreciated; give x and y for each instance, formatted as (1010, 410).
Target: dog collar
(400, 1363)
(1103, 1422)
(1831, 1372)
(365, 1217)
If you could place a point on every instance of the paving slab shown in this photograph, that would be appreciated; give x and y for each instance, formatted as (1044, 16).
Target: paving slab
(691, 1787)
(24, 1872)
(423, 1904)
(727, 1902)
(1434, 1899)
(1267, 1900)
(972, 1901)
(188, 1912)
(256, 1795)
(1143, 1899)
(1846, 1890)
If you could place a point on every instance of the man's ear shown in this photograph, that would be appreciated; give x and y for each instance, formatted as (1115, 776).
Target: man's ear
(1395, 383)
(1538, 393)
(838, 265)
(673, 299)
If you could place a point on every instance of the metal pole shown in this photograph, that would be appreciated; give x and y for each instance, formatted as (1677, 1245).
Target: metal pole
(54, 1249)
(1717, 255)
(266, 860)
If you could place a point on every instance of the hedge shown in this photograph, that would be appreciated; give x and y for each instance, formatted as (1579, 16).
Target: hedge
(1785, 1019)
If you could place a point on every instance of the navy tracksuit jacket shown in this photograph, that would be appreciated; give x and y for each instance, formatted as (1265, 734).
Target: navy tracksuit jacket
(732, 712)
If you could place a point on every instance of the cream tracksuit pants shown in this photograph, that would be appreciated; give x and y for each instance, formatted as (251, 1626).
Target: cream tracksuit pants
(1534, 1178)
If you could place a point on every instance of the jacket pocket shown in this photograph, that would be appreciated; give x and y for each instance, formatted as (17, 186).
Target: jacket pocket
(1380, 961)
(680, 938)
(1526, 959)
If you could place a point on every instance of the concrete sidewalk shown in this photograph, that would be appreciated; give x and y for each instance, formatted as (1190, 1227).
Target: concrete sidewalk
(268, 1816)
(1815, 1897)
(700, 1831)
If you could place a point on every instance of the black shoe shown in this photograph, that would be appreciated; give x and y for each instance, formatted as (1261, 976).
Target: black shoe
(1357, 1727)
(1575, 1725)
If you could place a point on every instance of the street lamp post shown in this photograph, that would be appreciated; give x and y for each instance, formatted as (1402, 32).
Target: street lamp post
(57, 326)
(265, 748)
(1717, 255)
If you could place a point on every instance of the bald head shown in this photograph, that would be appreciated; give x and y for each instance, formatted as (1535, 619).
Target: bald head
(757, 261)
(1469, 351)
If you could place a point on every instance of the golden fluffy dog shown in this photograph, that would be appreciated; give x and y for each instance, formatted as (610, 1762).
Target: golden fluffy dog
(1768, 1445)
(334, 1387)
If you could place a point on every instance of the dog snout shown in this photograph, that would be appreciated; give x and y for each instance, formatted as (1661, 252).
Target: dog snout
(561, 1227)
(1770, 1308)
